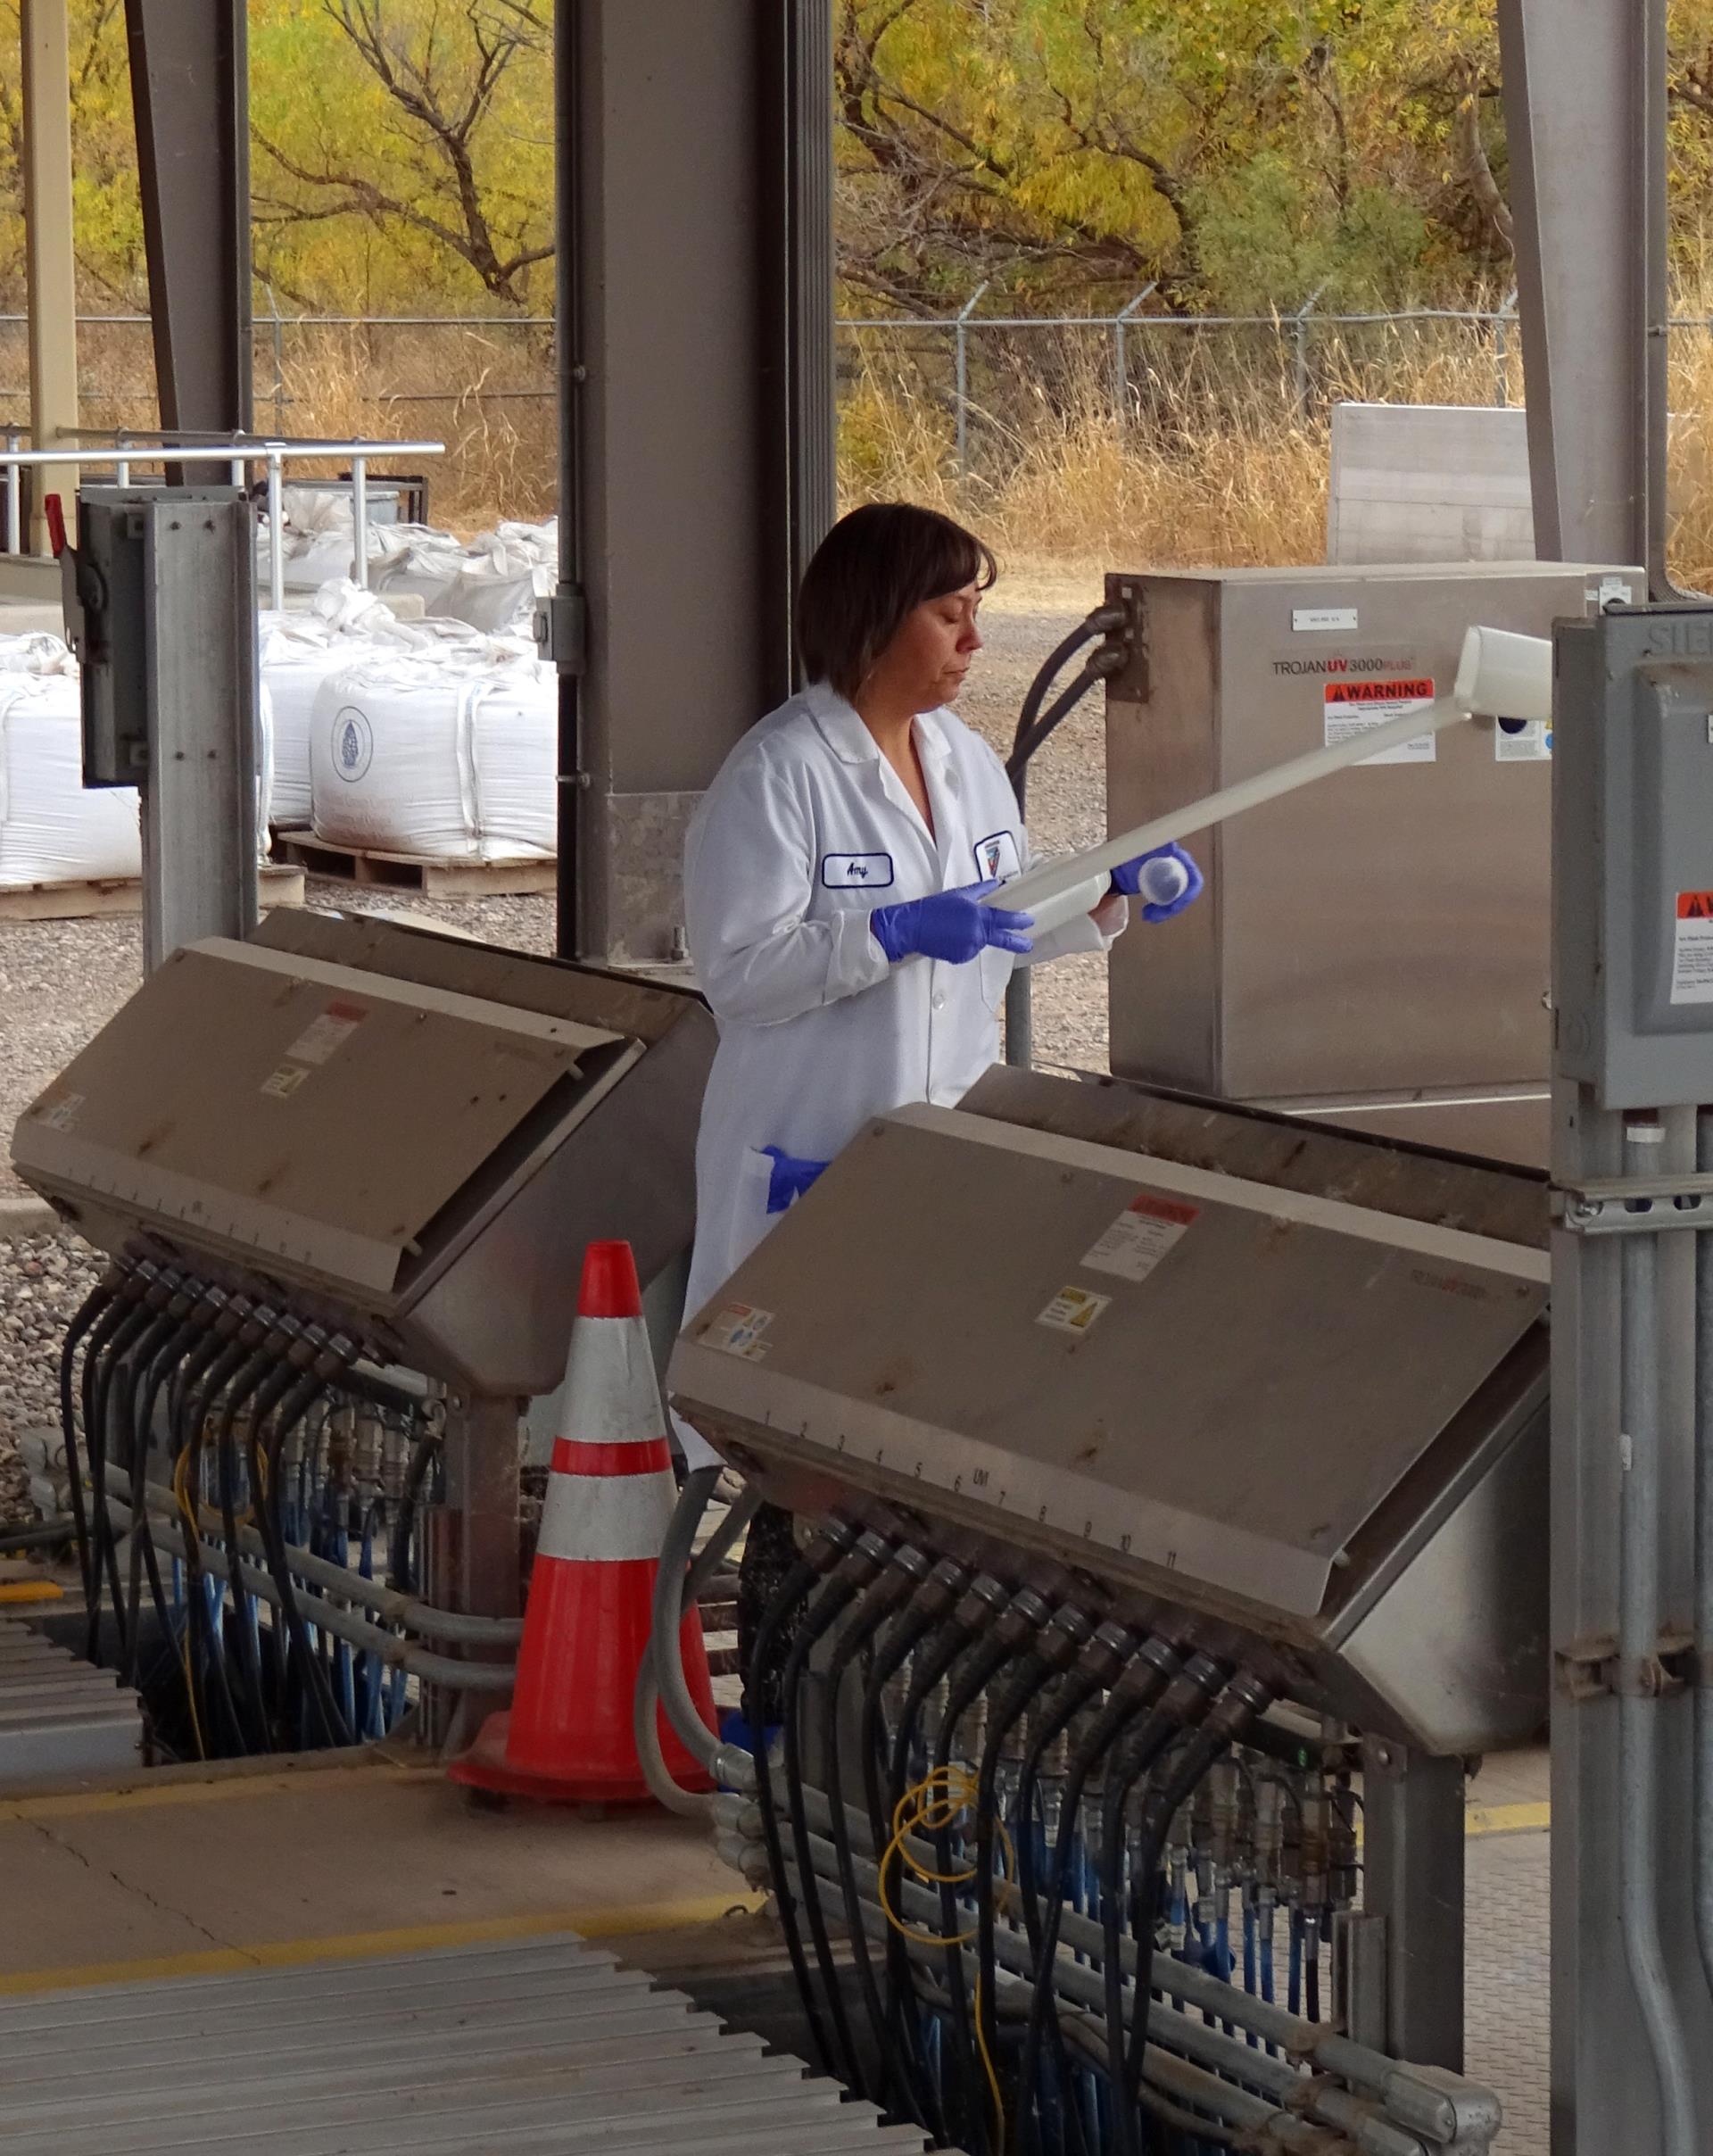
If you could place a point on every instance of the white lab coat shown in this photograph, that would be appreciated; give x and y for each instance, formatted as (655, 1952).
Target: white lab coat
(805, 830)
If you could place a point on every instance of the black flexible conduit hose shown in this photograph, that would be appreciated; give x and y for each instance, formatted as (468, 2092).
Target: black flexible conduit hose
(293, 1408)
(856, 1571)
(110, 1381)
(116, 1324)
(1137, 1686)
(907, 1571)
(1106, 1655)
(1068, 1632)
(1028, 745)
(150, 1379)
(209, 1362)
(933, 1601)
(1242, 1701)
(1032, 731)
(92, 1312)
(1184, 1704)
(264, 1348)
(1018, 1624)
(829, 1545)
(400, 1572)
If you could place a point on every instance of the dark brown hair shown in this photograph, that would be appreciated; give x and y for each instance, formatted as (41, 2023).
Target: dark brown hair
(874, 568)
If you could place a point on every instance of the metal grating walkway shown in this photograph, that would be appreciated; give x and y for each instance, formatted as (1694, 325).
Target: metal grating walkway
(546, 2047)
(59, 1717)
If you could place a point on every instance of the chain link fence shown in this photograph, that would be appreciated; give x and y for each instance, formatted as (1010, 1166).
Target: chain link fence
(977, 386)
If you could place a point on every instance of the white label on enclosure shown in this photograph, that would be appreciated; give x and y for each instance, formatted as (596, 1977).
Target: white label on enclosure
(1358, 707)
(62, 1114)
(282, 1083)
(1304, 618)
(323, 1037)
(1073, 1310)
(1140, 1237)
(737, 1330)
(1522, 741)
(1691, 956)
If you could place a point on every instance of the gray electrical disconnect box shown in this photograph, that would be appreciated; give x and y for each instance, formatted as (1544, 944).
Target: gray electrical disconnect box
(1634, 745)
(106, 579)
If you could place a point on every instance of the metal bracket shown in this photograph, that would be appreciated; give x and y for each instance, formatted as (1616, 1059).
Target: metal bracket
(1130, 674)
(560, 628)
(1590, 1668)
(1640, 1205)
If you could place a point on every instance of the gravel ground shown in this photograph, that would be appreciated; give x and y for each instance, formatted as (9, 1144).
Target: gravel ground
(61, 981)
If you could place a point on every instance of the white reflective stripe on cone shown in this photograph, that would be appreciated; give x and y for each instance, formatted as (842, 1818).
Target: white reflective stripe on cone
(606, 1518)
(611, 1393)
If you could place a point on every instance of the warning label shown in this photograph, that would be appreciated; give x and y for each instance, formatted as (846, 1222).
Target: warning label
(1358, 707)
(1691, 956)
(737, 1330)
(1140, 1237)
(1073, 1310)
(324, 1036)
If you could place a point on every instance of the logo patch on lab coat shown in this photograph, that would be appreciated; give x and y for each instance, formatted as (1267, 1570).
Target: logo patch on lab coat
(996, 859)
(856, 871)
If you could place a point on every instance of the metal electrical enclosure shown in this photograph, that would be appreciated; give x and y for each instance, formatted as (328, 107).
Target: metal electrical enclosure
(1291, 1380)
(1635, 978)
(1376, 947)
(406, 1134)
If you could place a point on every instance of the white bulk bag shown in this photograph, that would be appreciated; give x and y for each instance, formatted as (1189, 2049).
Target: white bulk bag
(36, 652)
(296, 658)
(437, 758)
(416, 560)
(53, 830)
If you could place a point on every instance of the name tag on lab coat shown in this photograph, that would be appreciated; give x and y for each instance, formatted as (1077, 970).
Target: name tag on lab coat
(996, 859)
(856, 871)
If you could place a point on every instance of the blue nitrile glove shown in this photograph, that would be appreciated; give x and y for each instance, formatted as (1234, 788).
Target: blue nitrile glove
(790, 1179)
(952, 925)
(1167, 890)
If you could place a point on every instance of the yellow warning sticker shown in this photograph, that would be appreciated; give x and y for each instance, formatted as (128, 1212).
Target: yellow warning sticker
(1074, 1310)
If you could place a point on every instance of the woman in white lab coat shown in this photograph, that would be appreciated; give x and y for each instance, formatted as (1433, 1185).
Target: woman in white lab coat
(831, 877)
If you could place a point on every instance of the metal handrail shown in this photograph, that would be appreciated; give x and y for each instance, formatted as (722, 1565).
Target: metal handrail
(238, 449)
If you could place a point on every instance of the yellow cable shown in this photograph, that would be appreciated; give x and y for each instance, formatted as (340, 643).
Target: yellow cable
(931, 1806)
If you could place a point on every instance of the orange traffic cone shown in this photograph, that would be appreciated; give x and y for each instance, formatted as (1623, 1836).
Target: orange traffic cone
(568, 1736)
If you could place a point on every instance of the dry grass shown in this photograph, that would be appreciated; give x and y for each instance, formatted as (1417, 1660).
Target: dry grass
(1208, 453)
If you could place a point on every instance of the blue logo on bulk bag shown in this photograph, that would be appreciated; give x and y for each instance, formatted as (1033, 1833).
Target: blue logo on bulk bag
(353, 744)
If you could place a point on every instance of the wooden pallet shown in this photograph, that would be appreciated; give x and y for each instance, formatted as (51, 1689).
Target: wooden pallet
(430, 878)
(278, 883)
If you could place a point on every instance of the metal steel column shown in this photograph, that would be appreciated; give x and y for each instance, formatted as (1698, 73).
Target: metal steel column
(797, 114)
(702, 386)
(190, 71)
(1585, 118)
(474, 1541)
(1608, 2090)
(52, 263)
(199, 791)
(1412, 1876)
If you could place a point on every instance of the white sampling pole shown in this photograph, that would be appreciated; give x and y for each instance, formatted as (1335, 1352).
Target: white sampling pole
(1057, 890)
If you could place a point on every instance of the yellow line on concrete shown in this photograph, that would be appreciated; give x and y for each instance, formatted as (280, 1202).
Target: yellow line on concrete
(367, 1946)
(30, 1590)
(1506, 1819)
(227, 1789)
